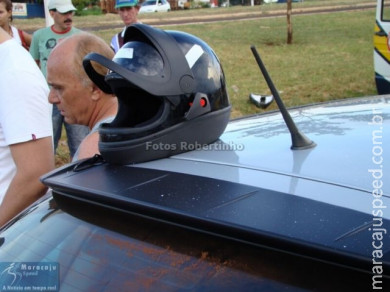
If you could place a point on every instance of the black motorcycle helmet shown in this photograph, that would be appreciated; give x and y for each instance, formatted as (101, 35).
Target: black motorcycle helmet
(171, 93)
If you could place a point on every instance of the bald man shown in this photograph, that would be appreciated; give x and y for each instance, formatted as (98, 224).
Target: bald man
(79, 100)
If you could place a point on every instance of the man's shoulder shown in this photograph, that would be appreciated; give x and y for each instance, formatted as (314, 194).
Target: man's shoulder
(72, 31)
(42, 33)
(42, 30)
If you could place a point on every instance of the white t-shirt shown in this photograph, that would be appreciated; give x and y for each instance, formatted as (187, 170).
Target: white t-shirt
(25, 113)
(16, 35)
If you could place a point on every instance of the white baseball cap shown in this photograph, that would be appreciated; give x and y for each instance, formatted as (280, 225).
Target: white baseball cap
(61, 6)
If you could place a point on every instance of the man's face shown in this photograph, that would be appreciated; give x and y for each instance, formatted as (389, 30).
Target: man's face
(128, 14)
(62, 21)
(4, 15)
(72, 98)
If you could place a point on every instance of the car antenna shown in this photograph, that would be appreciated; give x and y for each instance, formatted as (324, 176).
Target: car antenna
(299, 140)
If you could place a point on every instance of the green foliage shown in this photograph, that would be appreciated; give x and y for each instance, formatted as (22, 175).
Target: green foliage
(198, 4)
(84, 3)
(94, 10)
(87, 7)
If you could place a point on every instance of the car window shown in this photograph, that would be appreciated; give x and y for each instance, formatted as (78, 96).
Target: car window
(92, 257)
(386, 10)
(100, 249)
(147, 3)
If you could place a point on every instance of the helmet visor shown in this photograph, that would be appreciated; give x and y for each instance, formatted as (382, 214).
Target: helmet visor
(140, 58)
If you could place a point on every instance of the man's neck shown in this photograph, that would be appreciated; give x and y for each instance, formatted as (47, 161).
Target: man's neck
(107, 109)
(4, 36)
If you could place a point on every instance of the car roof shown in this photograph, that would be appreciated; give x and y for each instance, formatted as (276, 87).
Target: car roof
(258, 190)
(343, 130)
(256, 151)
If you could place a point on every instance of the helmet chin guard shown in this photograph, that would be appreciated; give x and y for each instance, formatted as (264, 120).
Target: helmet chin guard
(171, 93)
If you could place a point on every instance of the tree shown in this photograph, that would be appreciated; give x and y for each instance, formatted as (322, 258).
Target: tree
(289, 24)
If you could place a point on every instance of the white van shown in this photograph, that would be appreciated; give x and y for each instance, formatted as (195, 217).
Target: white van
(382, 47)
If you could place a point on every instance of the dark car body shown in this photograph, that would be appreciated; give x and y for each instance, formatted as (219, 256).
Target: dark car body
(246, 213)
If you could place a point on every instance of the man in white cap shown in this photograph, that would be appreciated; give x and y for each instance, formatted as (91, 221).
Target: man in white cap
(128, 12)
(43, 41)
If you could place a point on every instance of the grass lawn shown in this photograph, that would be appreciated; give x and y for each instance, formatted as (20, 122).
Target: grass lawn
(331, 56)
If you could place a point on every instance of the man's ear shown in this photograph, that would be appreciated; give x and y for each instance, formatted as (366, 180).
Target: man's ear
(96, 92)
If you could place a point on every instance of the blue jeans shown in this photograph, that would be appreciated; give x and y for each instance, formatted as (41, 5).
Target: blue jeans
(75, 133)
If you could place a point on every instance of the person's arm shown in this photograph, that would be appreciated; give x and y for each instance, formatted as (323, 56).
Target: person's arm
(89, 146)
(32, 159)
(27, 38)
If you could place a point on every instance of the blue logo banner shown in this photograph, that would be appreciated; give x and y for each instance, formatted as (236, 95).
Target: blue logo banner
(29, 276)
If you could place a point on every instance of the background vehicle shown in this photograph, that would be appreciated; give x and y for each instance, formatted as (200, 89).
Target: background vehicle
(150, 6)
(382, 47)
